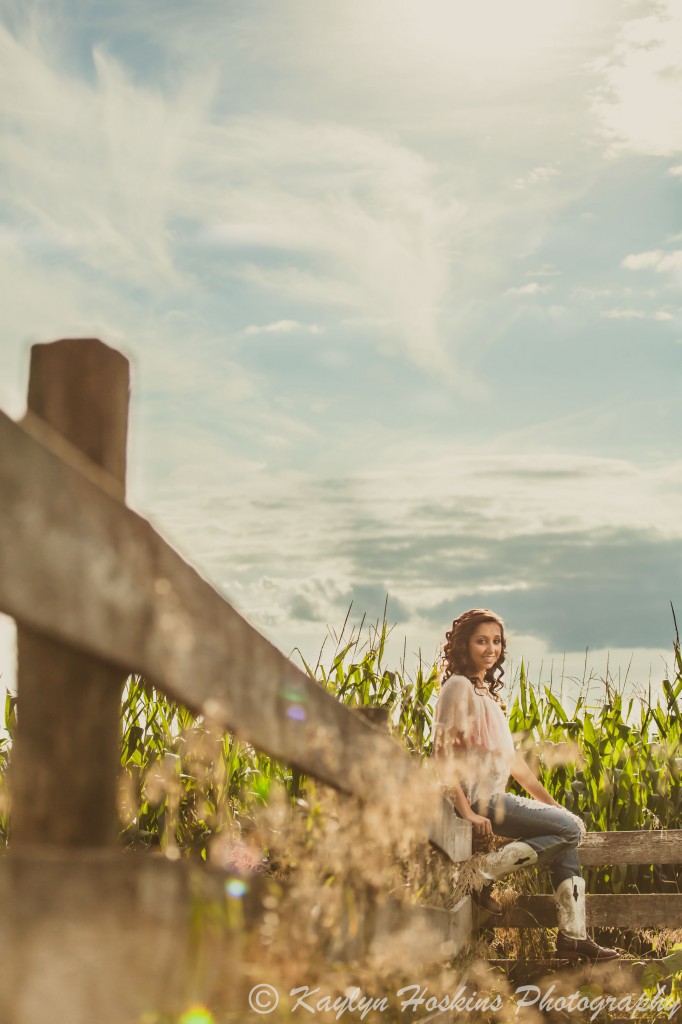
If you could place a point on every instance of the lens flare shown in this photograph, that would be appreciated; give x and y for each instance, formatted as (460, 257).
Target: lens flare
(235, 888)
(197, 1015)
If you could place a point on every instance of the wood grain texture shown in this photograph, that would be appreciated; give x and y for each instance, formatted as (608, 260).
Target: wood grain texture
(656, 846)
(66, 752)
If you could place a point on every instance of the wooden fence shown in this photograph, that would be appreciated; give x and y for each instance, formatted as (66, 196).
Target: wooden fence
(622, 910)
(98, 594)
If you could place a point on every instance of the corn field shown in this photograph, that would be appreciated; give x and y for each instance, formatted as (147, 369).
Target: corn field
(185, 785)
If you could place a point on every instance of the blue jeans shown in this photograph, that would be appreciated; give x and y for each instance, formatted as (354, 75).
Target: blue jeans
(550, 831)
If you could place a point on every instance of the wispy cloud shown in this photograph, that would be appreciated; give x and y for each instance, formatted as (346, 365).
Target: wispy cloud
(210, 189)
(638, 107)
(532, 288)
(112, 174)
(283, 327)
(538, 176)
(636, 314)
(96, 165)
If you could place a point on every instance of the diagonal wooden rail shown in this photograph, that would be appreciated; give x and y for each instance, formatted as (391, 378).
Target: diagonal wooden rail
(155, 614)
(97, 593)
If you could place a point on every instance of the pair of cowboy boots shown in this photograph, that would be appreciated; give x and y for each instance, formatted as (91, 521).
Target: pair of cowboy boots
(572, 941)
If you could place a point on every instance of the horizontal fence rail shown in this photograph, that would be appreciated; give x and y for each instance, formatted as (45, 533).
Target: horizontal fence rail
(655, 846)
(603, 910)
(154, 614)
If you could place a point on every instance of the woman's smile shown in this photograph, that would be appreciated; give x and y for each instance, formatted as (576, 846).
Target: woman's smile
(485, 647)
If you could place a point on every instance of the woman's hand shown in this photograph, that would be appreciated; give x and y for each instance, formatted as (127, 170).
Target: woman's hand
(481, 826)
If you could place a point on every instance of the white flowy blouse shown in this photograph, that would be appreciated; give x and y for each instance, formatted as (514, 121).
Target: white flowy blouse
(472, 742)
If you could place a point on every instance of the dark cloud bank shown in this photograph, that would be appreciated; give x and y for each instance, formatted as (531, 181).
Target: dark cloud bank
(606, 588)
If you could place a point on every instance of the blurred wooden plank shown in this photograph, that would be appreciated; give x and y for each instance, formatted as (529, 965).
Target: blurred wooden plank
(98, 935)
(451, 834)
(427, 934)
(655, 846)
(134, 602)
(66, 755)
(630, 910)
(106, 936)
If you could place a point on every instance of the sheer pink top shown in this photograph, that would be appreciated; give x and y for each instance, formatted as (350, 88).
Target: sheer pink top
(472, 742)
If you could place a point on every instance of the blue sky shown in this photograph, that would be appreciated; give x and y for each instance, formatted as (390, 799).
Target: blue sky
(400, 283)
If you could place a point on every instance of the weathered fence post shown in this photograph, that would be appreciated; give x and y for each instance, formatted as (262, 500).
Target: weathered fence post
(66, 753)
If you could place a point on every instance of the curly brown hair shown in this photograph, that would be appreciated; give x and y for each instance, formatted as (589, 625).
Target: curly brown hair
(455, 659)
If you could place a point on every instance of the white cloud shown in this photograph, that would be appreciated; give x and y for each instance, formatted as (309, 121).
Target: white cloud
(538, 176)
(345, 204)
(636, 314)
(643, 260)
(106, 168)
(670, 261)
(95, 166)
(624, 314)
(676, 172)
(283, 327)
(532, 288)
(656, 259)
(264, 532)
(639, 106)
(368, 179)
(664, 262)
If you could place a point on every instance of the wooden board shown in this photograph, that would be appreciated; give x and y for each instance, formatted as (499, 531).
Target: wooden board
(603, 911)
(451, 834)
(101, 936)
(80, 567)
(655, 846)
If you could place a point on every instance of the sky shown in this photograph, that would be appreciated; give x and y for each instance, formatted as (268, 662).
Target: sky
(400, 283)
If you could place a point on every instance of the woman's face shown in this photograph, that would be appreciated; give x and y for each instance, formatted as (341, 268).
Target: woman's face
(485, 647)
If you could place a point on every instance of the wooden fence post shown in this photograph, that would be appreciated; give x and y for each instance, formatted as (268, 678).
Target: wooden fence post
(66, 758)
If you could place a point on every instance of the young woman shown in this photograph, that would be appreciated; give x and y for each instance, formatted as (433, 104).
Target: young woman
(474, 749)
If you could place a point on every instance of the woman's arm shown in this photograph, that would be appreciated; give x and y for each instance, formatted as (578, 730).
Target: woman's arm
(481, 825)
(525, 776)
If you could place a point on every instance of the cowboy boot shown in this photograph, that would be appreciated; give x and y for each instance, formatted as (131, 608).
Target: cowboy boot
(572, 939)
(506, 860)
(497, 864)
